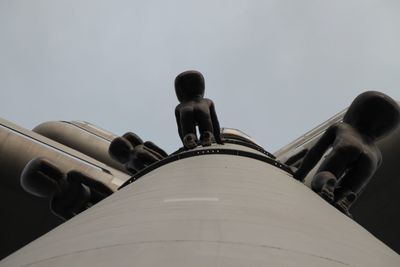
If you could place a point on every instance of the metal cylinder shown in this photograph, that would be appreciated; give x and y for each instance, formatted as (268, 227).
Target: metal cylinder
(25, 217)
(214, 208)
(93, 144)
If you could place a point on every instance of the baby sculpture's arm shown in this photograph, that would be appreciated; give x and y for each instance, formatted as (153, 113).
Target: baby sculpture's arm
(316, 152)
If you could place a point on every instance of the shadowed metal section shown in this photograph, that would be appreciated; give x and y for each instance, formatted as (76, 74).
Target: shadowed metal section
(96, 130)
(89, 141)
(25, 217)
(378, 207)
(19, 146)
(209, 210)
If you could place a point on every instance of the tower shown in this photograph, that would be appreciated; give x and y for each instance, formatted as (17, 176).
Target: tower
(230, 205)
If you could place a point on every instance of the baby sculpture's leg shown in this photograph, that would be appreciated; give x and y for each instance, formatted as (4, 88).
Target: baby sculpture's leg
(345, 202)
(147, 156)
(331, 169)
(205, 127)
(324, 184)
(352, 184)
(188, 127)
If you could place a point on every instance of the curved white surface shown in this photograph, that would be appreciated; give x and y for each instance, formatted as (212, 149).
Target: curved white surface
(211, 210)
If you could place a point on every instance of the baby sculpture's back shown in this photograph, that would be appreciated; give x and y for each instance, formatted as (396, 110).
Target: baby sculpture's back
(195, 110)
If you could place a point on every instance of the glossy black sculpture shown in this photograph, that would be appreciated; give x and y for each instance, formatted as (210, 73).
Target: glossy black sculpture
(354, 157)
(135, 154)
(195, 110)
(69, 194)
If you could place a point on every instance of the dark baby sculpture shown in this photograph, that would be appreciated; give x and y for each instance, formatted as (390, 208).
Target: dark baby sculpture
(195, 110)
(69, 193)
(354, 157)
(135, 154)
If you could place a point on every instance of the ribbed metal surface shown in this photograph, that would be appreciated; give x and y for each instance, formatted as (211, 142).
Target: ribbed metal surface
(211, 210)
(25, 217)
(91, 144)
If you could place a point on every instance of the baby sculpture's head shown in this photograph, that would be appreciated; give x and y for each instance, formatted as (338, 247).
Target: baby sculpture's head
(189, 85)
(133, 138)
(373, 114)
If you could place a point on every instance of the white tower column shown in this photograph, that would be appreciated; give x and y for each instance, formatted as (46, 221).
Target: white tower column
(209, 210)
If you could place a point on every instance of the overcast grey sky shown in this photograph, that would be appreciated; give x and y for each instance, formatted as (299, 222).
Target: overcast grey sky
(274, 68)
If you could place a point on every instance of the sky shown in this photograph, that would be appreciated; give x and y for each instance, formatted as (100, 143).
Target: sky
(274, 68)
